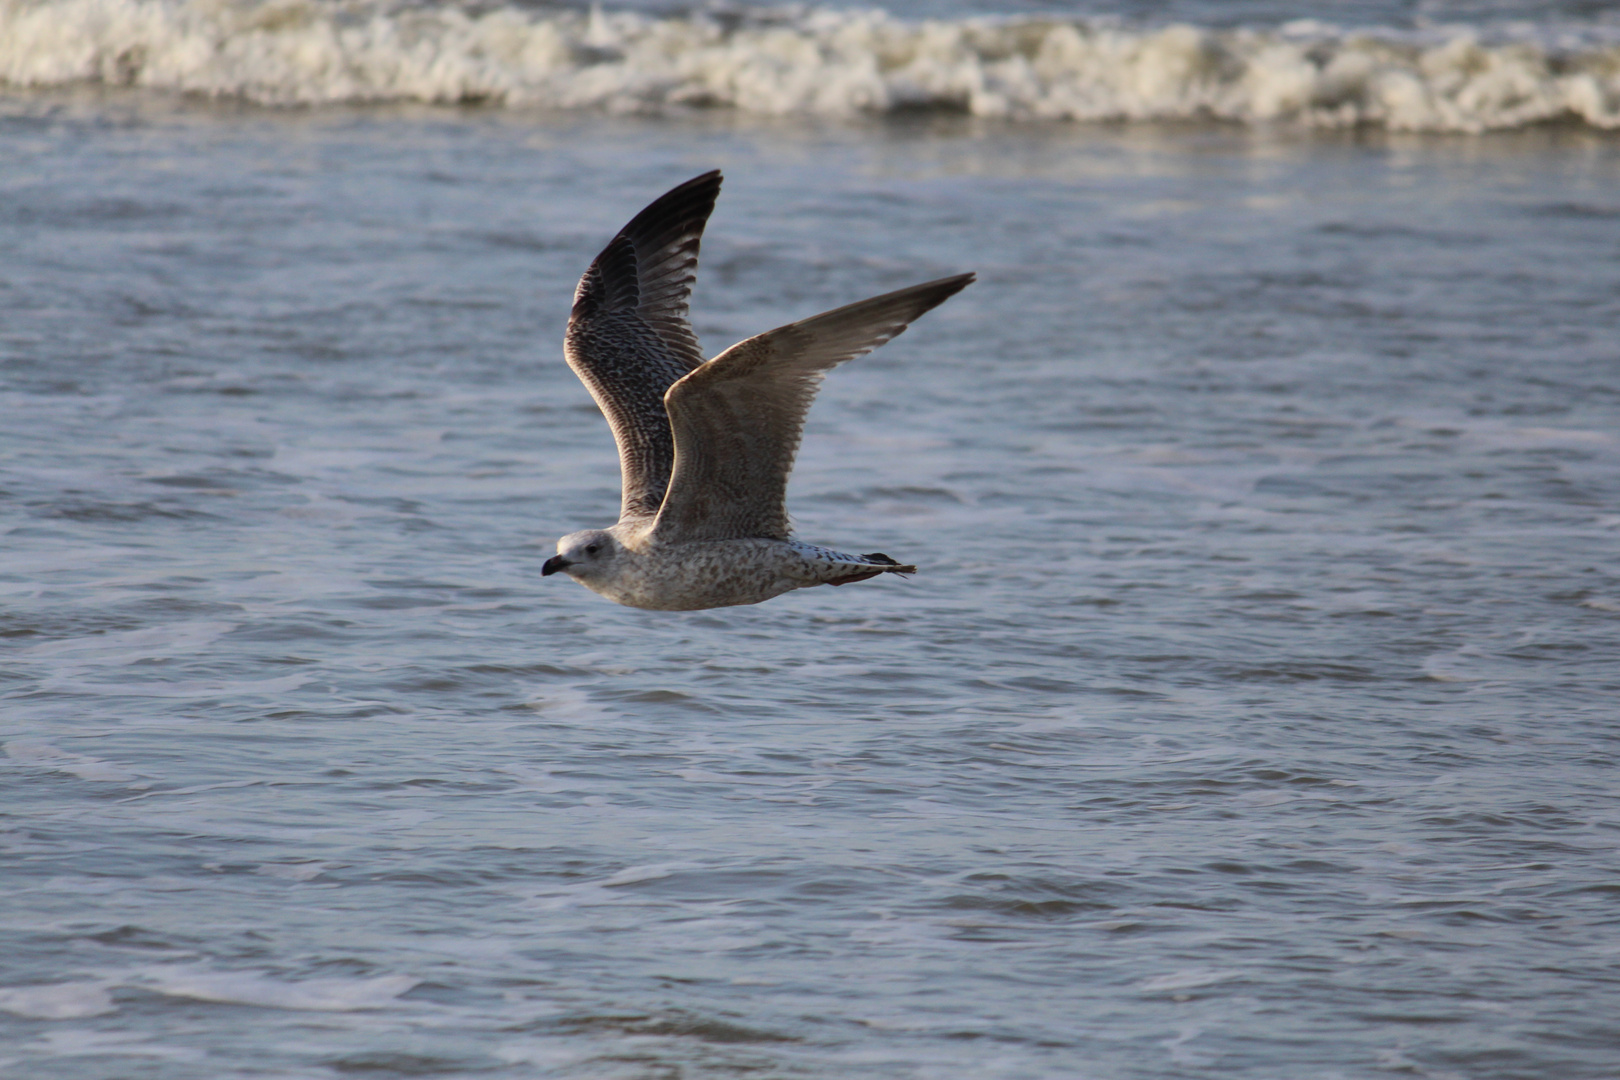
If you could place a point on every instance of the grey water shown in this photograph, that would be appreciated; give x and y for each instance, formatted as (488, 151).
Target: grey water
(1253, 713)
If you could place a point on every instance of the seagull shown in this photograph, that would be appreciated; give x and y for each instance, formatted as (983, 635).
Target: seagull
(706, 446)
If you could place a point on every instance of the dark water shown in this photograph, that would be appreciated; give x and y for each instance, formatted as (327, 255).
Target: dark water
(1253, 714)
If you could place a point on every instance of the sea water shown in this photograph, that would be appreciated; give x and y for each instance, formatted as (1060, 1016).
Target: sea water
(1253, 712)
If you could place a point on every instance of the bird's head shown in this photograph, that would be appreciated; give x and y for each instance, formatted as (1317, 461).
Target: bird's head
(583, 555)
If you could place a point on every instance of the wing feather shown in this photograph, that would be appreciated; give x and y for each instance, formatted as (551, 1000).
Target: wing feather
(629, 338)
(737, 419)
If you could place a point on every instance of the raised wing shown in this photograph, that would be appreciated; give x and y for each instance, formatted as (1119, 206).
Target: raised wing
(737, 419)
(629, 338)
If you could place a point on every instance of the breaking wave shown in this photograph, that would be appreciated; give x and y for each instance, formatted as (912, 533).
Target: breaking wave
(817, 62)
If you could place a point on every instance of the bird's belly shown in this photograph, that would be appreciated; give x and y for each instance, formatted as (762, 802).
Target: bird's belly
(723, 573)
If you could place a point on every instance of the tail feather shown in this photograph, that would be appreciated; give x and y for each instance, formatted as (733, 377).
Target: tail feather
(886, 564)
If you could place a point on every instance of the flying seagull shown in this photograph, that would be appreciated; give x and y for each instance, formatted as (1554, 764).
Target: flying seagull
(705, 446)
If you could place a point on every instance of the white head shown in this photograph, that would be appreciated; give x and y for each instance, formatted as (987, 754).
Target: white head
(585, 556)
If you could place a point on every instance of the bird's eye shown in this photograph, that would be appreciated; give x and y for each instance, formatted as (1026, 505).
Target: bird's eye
(592, 549)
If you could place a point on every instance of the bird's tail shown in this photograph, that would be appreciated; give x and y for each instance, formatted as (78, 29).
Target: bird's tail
(883, 564)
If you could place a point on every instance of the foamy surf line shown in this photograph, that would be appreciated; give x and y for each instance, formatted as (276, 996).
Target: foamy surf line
(814, 62)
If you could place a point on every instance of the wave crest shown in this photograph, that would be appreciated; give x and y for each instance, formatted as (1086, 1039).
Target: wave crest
(816, 62)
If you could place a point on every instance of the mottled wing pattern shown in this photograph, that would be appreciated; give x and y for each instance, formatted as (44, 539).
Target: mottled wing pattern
(737, 419)
(629, 338)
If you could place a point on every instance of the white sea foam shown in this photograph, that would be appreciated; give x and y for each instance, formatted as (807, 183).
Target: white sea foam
(44, 755)
(818, 62)
(126, 647)
(1189, 979)
(314, 995)
(57, 1001)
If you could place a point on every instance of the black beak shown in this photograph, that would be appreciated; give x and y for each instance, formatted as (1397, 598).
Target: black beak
(553, 564)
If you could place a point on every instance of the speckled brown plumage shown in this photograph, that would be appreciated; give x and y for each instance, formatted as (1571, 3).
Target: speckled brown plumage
(629, 338)
(705, 447)
(738, 419)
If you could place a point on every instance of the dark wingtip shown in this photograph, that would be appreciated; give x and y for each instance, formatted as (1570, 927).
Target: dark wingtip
(676, 209)
(944, 288)
(916, 300)
(655, 255)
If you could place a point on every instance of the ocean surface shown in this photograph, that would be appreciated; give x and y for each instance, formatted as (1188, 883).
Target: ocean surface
(1255, 712)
